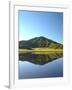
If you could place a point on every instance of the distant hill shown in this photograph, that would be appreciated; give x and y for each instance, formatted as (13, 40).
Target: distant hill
(39, 42)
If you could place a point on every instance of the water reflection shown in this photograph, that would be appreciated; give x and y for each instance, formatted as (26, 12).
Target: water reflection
(40, 58)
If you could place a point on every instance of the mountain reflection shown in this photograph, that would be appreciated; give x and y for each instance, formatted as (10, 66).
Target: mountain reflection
(40, 59)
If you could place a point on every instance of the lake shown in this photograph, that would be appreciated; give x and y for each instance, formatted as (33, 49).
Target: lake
(40, 65)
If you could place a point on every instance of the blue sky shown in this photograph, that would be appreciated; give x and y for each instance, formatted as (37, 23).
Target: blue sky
(34, 24)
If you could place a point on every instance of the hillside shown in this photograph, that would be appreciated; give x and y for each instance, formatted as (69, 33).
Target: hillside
(39, 42)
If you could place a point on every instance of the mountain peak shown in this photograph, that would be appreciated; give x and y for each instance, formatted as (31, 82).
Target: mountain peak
(42, 37)
(39, 42)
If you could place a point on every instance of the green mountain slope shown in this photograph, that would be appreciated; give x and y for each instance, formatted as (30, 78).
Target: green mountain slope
(39, 42)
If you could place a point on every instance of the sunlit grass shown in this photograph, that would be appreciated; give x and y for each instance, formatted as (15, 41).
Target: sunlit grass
(40, 50)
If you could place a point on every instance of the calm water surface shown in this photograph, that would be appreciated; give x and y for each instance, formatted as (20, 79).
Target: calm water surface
(40, 66)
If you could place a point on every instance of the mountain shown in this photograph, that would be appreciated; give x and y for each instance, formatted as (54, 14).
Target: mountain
(39, 42)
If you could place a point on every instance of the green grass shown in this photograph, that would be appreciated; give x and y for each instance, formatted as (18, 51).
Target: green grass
(40, 50)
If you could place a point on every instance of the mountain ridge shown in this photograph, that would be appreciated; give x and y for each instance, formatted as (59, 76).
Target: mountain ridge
(39, 42)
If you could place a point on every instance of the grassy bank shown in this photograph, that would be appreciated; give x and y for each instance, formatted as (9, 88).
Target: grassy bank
(40, 50)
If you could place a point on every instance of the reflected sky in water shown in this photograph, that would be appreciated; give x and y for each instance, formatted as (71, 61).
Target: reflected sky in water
(31, 70)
